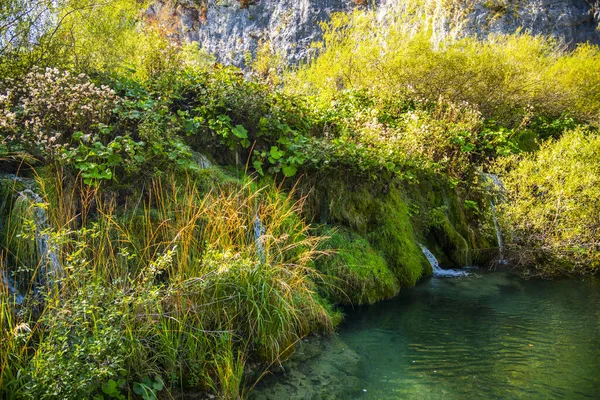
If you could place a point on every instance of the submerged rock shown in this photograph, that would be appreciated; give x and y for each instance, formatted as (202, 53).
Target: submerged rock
(321, 368)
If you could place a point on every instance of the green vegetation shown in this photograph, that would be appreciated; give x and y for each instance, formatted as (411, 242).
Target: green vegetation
(163, 228)
(178, 293)
(509, 79)
(551, 214)
(355, 273)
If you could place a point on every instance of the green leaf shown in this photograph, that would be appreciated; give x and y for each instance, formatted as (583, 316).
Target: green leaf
(189, 126)
(289, 170)
(158, 384)
(275, 153)
(109, 387)
(467, 148)
(138, 389)
(284, 141)
(258, 166)
(240, 132)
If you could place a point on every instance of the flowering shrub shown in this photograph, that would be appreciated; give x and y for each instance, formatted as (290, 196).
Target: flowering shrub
(60, 117)
(42, 113)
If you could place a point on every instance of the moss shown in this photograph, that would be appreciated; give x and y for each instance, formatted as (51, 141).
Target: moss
(453, 244)
(377, 211)
(354, 273)
(209, 178)
(352, 206)
(392, 234)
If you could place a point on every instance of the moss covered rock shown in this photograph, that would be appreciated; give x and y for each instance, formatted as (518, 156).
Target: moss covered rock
(380, 214)
(392, 234)
(354, 272)
(452, 243)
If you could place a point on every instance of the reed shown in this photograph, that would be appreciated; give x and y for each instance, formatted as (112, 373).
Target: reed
(168, 284)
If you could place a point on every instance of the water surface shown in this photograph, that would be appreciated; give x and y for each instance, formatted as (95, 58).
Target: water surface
(488, 335)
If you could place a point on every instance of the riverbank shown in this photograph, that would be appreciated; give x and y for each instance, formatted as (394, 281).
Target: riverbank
(169, 224)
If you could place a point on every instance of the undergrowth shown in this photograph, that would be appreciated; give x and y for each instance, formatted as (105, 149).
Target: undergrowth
(181, 292)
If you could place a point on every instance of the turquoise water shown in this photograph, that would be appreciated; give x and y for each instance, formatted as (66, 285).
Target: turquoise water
(486, 336)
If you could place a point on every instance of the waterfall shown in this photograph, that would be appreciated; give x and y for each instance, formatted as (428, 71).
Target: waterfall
(437, 271)
(497, 186)
(259, 231)
(11, 288)
(50, 266)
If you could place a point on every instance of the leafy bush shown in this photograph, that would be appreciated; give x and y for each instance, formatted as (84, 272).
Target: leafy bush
(42, 113)
(553, 202)
(85, 345)
(505, 77)
(66, 119)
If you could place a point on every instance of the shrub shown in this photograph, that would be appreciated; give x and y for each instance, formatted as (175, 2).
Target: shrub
(552, 208)
(503, 76)
(42, 113)
(62, 118)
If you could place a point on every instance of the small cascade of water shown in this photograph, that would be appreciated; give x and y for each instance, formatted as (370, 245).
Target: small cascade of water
(498, 186)
(259, 231)
(50, 266)
(12, 289)
(437, 271)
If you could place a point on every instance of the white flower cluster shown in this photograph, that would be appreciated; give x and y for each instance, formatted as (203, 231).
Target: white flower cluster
(44, 110)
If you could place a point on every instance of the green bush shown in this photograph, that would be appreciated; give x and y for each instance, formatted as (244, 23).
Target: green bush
(85, 345)
(552, 207)
(506, 77)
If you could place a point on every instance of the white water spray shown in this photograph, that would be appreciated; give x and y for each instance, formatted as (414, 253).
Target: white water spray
(18, 297)
(259, 232)
(437, 271)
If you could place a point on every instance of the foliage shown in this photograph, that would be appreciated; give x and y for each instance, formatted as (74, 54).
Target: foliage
(64, 118)
(90, 35)
(179, 275)
(552, 201)
(149, 294)
(84, 346)
(506, 77)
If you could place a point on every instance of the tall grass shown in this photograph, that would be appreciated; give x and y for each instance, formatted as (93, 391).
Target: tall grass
(167, 283)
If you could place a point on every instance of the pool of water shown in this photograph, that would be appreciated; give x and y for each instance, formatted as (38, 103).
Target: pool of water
(485, 336)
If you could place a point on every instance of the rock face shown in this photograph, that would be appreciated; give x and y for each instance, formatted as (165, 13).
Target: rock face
(569, 21)
(231, 29)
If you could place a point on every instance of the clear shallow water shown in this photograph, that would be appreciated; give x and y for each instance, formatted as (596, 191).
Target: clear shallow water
(486, 336)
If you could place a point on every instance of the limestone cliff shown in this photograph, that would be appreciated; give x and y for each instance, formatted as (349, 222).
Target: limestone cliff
(230, 29)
